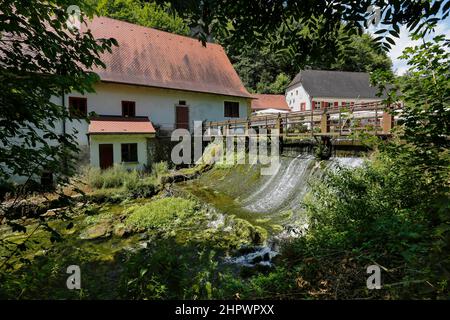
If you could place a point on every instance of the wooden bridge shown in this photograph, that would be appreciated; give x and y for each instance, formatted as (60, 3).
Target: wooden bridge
(371, 118)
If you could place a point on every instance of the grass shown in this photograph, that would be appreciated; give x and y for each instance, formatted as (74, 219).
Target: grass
(160, 169)
(114, 177)
(120, 181)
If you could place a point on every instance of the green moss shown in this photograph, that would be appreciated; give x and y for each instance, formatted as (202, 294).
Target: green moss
(101, 217)
(160, 213)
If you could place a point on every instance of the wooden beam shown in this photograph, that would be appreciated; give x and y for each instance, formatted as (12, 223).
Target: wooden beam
(388, 121)
(325, 122)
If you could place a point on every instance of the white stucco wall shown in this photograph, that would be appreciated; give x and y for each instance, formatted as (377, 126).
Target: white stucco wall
(295, 96)
(157, 104)
(116, 141)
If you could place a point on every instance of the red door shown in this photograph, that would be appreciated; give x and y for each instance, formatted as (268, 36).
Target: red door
(106, 155)
(182, 117)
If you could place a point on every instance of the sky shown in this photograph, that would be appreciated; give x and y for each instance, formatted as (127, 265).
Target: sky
(400, 66)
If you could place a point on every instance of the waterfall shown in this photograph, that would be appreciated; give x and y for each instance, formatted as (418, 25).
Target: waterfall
(266, 201)
(281, 186)
(286, 188)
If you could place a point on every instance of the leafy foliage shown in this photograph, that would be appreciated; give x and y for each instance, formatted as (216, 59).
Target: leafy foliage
(305, 21)
(268, 67)
(41, 58)
(362, 55)
(148, 14)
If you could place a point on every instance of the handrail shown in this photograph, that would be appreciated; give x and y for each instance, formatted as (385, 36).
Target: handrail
(329, 120)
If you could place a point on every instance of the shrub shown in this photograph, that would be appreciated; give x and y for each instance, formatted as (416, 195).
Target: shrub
(145, 188)
(160, 169)
(6, 187)
(380, 213)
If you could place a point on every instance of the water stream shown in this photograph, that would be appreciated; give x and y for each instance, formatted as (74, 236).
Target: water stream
(272, 202)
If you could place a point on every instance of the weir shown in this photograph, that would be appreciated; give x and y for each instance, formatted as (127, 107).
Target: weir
(286, 189)
(242, 190)
(272, 202)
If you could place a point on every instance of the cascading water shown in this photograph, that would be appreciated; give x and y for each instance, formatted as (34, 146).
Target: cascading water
(269, 197)
(287, 187)
(283, 188)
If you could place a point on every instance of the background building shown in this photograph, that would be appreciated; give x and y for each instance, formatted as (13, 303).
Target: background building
(317, 89)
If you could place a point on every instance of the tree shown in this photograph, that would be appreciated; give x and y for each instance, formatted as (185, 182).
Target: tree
(261, 63)
(362, 55)
(311, 26)
(148, 14)
(277, 86)
(41, 58)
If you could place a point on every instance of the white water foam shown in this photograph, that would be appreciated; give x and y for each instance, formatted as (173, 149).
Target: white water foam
(262, 256)
(289, 185)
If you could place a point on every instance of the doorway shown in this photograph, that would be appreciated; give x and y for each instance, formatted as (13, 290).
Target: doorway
(106, 155)
(182, 117)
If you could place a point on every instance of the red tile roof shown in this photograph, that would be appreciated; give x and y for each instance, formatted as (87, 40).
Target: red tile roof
(269, 101)
(120, 125)
(150, 57)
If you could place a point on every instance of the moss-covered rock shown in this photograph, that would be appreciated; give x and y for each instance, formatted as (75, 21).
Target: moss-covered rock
(102, 230)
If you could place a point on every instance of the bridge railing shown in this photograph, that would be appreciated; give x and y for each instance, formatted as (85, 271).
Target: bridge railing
(373, 118)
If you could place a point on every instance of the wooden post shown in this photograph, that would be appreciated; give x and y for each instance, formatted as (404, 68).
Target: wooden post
(246, 127)
(325, 122)
(228, 127)
(278, 124)
(388, 121)
(376, 118)
(286, 124)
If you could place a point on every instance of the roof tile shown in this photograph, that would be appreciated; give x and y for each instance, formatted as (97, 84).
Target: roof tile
(150, 57)
(269, 101)
(336, 84)
(120, 125)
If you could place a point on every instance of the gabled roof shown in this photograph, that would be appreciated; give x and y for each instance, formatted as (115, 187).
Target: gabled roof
(120, 125)
(335, 84)
(150, 57)
(269, 101)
